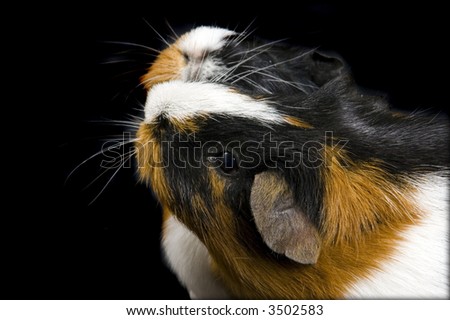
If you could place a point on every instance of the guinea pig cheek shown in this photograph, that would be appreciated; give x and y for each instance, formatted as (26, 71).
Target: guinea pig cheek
(222, 214)
(150, 163)
(206, 213)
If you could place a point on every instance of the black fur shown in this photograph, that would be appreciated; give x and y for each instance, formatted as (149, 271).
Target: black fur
(260, 66)
(405, 143)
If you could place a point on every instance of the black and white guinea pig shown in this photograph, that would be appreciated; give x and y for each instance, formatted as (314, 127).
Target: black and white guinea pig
(318, 196)
(254, 65)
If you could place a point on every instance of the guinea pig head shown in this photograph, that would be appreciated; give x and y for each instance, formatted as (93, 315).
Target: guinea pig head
(243, 61)
(204, 149)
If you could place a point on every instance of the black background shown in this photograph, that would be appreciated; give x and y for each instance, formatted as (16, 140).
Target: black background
(55, 243)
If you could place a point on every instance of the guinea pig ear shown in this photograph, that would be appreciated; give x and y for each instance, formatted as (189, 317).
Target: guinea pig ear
(284, 227)
(325, 66)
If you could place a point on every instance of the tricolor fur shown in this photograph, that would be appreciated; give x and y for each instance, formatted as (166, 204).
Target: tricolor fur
(256, 66)
(363, 196)
(369, 185)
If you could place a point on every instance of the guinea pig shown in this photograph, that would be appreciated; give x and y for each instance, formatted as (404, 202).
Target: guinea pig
(294, 196)
(254, 65)
(250, 64)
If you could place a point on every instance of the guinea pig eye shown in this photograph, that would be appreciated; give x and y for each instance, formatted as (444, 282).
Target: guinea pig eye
(229, 163)
(226, 162)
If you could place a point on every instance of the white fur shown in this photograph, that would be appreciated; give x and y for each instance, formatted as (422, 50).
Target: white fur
(420, 266)
(205, 69)
(196, 45)
(202, 40)
(190, 261)
(181, 100)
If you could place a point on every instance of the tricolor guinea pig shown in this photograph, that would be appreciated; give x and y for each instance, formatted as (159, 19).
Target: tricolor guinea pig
(254, 65)
(297, 196)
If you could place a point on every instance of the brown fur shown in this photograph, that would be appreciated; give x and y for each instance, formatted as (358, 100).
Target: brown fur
(166, 214)
(358, 197)
(188, 125)
(166, 67)
(149, 157)
(297, 122)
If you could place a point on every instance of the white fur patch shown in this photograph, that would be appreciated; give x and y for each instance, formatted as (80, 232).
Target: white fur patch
(190, 261)
(180, 100)
(420, 266)
(196, 46)
(205, 69)
(202, 40)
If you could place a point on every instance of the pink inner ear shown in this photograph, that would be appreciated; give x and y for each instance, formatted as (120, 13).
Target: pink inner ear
(283, 226)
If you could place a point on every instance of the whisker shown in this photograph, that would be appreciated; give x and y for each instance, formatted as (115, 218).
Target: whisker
(123, 159)
(246, 33)
(116, 145)
(157, 33)
(132, 44)
(297, 85)
(82, 163)
(106, 185)
(269, 44)
(197, 76)
(151, 79)
(113, 137)
(250, 72)
(240, 63)
(171, 30)
(136, 118)
(136, 52)
(291, 83)
(96, 178)
(123, 74)
(118, 61)
(257, 85)
(127, 123)
(266, 47)
(286, 106)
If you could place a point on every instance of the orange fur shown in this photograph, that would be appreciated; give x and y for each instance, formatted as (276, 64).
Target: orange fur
(166, 67)
(166, 214)
(297, 122)
(360, 196)
(150, 163)
(188, 125)
(217, 185)
(199, 203)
